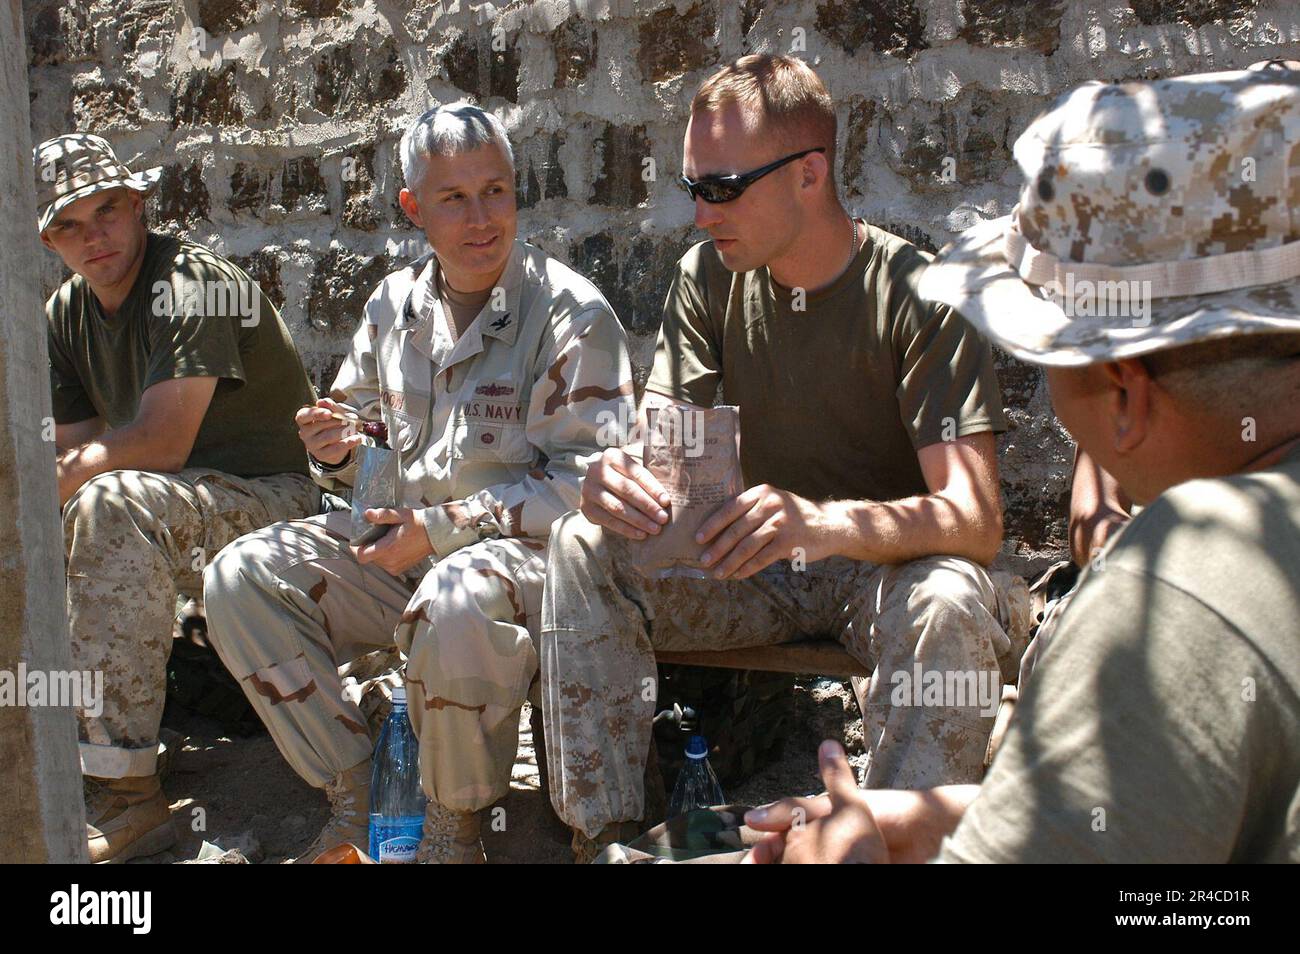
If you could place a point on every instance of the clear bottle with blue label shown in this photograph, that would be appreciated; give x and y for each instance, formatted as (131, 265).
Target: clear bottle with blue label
(697, 786)
(396, 799)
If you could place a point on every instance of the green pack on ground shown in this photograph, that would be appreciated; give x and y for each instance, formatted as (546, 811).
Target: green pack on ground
(703, 836)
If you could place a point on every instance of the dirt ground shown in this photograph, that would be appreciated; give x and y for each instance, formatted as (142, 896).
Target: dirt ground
(237, 792)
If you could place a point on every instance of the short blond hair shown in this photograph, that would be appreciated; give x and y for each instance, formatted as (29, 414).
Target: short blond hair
(784, 91)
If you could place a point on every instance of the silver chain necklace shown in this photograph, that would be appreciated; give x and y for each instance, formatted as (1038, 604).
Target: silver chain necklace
(853, 245)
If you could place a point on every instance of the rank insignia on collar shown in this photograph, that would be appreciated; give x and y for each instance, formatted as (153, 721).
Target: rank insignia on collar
(500, 323)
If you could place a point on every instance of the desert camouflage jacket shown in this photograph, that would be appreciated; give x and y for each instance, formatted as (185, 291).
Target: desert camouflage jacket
(491, 428)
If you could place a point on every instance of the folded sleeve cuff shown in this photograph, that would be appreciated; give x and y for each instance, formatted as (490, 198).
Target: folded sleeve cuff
(449, 527)
(333, 477)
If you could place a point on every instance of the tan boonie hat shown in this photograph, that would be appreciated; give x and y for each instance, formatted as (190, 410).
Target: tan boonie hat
(74, 166)
(1155, 214)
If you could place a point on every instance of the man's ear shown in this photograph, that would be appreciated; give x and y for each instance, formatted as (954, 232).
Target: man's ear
(813, 168)
(1128, 402)
(406, 199)
(45, 240)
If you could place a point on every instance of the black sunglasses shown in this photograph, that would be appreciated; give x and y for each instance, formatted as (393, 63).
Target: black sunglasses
(716, 189)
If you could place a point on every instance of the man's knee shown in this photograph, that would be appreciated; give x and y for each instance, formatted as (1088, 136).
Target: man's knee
(464, 594)
(954, 584)
(458, 653)
(574, 537)
(590, 581)
(99, 498)
(238, 568)
(946, 601)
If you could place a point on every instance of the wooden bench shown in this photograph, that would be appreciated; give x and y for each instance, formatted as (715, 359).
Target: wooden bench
(821, 657)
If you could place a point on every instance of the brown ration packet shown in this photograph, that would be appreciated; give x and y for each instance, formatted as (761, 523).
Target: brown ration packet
(695, 454)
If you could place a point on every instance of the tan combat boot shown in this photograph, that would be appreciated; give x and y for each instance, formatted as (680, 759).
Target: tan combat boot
(127, 818)
(96, 797)
(586, 849)
(450, 838)
(349, 821)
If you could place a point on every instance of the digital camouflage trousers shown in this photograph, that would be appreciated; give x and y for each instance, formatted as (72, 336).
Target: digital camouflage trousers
(134, 540)
(944, 622)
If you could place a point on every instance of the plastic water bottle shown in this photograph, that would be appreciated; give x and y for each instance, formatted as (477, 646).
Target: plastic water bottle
(697, 786)
(396, 799)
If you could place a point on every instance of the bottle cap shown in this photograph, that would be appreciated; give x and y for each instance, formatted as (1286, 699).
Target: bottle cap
(697, 747)
(687, 720)
(399, 696)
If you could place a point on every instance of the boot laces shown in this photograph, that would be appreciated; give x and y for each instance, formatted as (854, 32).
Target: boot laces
(343, 801)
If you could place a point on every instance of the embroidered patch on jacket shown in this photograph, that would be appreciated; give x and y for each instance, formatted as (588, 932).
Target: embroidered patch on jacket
(496, 402)
(495, 412)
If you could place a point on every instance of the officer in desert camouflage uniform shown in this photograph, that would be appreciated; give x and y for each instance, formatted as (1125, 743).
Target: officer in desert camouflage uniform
(174, 388)
(495, 368)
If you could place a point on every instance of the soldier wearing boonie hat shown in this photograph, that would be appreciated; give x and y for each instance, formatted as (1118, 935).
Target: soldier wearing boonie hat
(1154, 215)
(174, 385)
(77, 165)
(1135, 232)
(1153, 265)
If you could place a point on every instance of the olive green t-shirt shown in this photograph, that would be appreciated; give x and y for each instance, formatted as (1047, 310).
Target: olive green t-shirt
(190, 313)
(1163, 721)
(839, 390)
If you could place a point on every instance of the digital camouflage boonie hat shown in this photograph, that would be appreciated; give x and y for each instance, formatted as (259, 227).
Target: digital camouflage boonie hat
(74, 166)
(1155, 214)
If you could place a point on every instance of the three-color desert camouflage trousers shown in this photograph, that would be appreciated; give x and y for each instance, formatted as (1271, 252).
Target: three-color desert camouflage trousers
(133, 540)
(288, 605)
(602, 621)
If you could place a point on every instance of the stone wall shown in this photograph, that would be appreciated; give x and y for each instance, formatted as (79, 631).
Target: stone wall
(277, 123)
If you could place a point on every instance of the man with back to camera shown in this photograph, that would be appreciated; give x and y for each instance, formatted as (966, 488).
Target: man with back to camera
(1159, 725)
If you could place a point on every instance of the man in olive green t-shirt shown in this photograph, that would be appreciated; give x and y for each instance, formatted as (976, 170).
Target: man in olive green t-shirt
(174, 389)
(867, 421)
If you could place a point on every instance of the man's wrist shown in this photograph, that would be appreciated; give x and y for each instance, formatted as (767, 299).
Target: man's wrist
(838, 526)
(448, 533)
(327, 467)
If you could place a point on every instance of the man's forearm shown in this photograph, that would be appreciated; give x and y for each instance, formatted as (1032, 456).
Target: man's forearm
(126, 448)
(897, 531)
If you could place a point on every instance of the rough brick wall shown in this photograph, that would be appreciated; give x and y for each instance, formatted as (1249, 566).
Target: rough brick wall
(277, 123)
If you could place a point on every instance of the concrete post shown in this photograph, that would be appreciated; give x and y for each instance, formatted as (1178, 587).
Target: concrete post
(41, 814)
